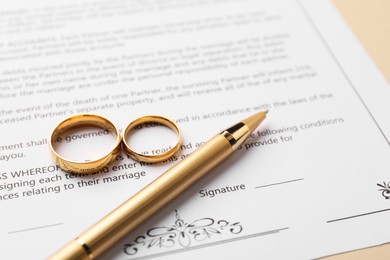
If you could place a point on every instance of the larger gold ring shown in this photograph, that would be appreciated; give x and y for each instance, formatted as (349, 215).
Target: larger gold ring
(157, 157)
(78, 121)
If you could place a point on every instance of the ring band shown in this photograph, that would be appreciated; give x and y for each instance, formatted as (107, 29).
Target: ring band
(85, 120)
(152, 158)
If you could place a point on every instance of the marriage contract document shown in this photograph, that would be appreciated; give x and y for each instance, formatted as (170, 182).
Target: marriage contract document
(313, 180)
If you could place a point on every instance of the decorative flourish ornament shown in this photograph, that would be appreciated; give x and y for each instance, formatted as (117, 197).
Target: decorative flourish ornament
(385, 189)
(182, 233)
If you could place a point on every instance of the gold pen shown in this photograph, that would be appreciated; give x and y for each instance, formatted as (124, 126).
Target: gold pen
(101, 236)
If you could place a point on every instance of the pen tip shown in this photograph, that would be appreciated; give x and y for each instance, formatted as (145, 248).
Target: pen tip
(254, 121)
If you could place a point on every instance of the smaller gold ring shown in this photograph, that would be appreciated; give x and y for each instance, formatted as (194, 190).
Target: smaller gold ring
(78, 121)
(152, 158)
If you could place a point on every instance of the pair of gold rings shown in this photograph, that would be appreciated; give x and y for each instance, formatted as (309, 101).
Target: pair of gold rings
(87, 167)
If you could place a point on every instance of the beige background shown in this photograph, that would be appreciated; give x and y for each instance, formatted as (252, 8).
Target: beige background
(370, 21)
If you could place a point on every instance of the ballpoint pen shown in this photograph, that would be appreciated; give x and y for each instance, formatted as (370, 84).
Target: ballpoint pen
(101, 236)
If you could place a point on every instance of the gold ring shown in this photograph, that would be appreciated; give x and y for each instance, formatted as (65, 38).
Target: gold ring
(152, 158)
(78, 121)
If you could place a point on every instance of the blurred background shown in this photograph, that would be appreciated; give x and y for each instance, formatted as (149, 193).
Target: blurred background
(370, 21)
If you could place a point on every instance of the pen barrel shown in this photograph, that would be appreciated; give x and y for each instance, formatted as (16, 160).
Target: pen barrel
(142, 205)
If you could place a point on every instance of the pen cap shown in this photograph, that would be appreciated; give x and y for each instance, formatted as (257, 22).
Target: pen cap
(71, 251)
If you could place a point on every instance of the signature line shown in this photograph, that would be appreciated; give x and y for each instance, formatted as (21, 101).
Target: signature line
(360, 215)
(273, 184)
(34, 228)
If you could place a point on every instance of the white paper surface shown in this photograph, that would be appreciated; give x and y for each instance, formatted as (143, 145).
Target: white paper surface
(305, 185)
